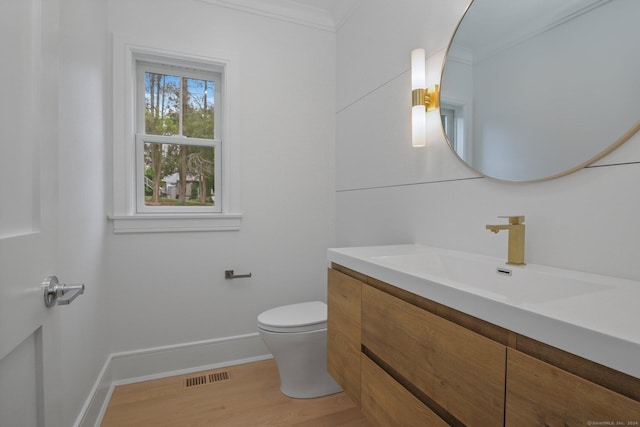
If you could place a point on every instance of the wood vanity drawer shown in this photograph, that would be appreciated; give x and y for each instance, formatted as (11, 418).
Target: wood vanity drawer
(344, 332)
(461, 371)
(542, 394)
(388, 403)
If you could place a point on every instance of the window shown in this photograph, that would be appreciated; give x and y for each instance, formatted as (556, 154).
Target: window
(172, 167)
(178, 148)
(448, 116)
(453, 123)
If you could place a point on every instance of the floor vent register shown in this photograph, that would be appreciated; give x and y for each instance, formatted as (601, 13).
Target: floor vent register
(205, 379)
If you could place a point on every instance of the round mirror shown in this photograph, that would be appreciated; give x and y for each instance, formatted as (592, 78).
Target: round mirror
(535, 89)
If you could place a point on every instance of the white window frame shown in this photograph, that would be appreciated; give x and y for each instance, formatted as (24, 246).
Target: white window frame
(449, 126)
(128, 214)
(168, 66)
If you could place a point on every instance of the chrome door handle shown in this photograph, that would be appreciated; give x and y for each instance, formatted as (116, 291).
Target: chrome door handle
(62, 294)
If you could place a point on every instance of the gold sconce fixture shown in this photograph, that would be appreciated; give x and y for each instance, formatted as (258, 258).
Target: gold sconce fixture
(423, 99)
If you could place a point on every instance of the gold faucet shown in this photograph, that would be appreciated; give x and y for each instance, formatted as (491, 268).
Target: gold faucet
(516, 238)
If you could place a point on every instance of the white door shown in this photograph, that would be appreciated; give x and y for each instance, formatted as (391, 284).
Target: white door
(28, 141)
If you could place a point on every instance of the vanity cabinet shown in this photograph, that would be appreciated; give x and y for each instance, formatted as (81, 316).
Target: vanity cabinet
(542, 394)
(390, 404)
(344, 332)
(459, 370)
(410, 361)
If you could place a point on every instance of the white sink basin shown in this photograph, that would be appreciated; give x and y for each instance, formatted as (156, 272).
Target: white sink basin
(491, 277)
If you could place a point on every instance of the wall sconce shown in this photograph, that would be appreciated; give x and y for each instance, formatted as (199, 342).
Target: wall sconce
(423, 99)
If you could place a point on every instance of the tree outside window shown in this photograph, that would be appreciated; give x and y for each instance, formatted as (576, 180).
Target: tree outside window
(180, 173)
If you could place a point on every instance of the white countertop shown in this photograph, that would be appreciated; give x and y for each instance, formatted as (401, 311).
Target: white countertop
(600, 324)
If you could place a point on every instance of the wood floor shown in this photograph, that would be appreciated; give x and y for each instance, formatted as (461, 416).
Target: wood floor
(249, 397)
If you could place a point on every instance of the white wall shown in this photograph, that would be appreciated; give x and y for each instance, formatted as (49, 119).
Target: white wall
(388, 192)
(168, 289)
(81, 116)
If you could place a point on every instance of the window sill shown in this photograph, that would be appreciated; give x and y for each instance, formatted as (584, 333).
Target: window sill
(172, 223)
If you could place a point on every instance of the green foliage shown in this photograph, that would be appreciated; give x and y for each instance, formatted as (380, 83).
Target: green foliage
(198, 110)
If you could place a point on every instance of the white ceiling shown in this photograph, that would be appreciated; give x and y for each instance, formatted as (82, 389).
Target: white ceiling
(337, 9)
(320, 4)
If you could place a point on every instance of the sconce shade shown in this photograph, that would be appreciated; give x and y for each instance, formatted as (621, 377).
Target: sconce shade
(418, 126)
(418, 69)
(423, 98)
(418, 109)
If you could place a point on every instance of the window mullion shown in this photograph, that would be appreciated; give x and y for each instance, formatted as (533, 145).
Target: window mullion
(181, 104)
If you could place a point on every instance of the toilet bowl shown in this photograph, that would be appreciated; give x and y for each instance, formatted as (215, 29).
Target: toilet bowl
(296, 335)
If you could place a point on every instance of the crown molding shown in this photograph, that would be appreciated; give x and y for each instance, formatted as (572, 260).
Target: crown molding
(343, 11)
(528, 30)
(284, 10)
(460, 54)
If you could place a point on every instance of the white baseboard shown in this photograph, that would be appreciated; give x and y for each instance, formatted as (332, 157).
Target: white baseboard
(153, 363)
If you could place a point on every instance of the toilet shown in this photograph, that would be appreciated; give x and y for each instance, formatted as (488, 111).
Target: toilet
(296, 335)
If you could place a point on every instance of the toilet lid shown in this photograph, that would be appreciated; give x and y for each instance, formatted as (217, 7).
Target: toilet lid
(306, 316)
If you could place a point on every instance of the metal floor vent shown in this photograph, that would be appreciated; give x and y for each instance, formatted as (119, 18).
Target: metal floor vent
(218, 376)
(204, 379)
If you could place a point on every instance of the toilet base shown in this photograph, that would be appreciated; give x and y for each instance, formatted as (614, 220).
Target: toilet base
(302, 363)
